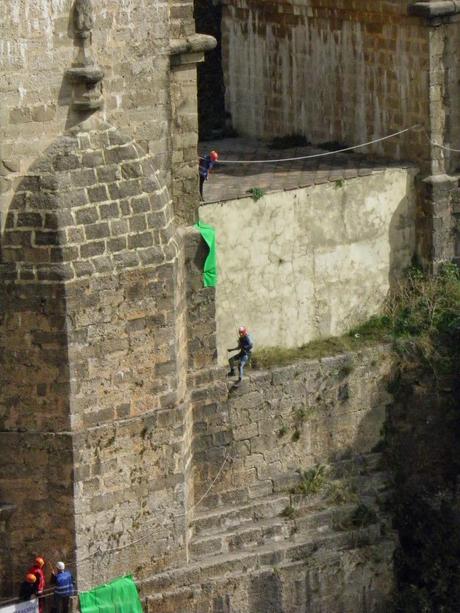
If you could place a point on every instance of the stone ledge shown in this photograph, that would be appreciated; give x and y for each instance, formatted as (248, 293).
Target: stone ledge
(435, 10)
(191, 50)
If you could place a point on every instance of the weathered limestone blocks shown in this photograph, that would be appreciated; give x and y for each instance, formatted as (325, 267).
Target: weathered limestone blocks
(92, 311)
(289, 419)
(201, 320)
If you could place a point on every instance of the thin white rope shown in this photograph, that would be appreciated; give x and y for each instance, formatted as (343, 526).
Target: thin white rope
(154, 522)
(320, 155)
(210, 487)
(438, 145)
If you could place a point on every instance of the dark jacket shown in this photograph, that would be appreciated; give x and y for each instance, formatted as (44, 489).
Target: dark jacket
(27, 590)
(245, 344)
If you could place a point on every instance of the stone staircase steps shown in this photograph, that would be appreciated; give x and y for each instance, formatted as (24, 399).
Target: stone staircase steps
(178, 599)
(211, 522)
(299, 548)
(307, 526)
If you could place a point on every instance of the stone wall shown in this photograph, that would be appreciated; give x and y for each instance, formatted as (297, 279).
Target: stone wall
(131, 41)
(313, 262)
(93, 359)
(332, 71)
(289, 419)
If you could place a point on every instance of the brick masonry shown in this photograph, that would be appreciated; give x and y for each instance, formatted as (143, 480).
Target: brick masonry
(113, 416)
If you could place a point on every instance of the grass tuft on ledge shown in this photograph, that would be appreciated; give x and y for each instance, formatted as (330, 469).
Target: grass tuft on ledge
(280, 356)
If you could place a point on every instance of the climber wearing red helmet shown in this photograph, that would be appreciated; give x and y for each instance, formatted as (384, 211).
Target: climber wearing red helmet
(38, 570)
(206, 164)
(244, 349)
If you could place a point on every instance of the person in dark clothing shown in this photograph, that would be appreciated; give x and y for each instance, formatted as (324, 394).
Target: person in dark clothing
(244, 349)
(28, 588)
(63, 588)
(206, 164)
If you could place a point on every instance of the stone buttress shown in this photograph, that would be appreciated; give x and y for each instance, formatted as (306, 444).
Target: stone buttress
(92, 372)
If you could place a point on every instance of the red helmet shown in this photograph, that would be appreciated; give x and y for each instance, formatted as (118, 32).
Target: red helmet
(214, 156)
(243, 330)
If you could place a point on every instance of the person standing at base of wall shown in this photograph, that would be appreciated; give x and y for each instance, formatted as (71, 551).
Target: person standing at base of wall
(244, 347)
(37, 570)
(206, 164)
(63, 588)
(28, 588)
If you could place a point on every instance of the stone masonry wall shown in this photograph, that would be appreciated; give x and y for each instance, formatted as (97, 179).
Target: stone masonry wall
(330, 70)
(289, 419)
(130, 41)
(91, 377)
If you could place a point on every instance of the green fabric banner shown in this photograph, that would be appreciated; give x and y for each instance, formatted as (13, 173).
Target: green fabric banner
(118, 596)
(210, 266)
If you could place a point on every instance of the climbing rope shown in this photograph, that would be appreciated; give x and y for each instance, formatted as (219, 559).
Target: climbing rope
(324, 153)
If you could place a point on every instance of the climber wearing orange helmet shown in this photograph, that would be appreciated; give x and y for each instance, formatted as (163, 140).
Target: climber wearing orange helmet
(38, 569)
(206, 164)
(28, 587)
(244, 349)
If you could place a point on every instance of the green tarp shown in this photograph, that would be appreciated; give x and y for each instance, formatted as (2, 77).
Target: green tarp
(210, 266)
(118, 596)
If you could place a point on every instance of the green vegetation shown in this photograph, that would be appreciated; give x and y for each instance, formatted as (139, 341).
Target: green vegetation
(341, 492)
(420, 316)
(282, 431)
(312, 481)
(256, 193)
(279, 356)
(339, 183)
(422, 437)
(288, 512)
(426, 564)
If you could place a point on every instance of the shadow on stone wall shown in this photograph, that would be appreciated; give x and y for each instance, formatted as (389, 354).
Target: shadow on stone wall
(88, 307)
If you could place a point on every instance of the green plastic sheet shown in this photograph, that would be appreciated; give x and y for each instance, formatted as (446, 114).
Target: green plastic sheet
(210, 266)
(118, 596)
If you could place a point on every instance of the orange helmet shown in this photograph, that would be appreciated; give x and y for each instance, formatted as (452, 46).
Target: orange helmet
(214, 156)
(40, 561)
(31, 578)
(242, 330)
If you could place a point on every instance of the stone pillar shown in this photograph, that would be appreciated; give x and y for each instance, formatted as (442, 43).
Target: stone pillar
(187, 49)
(6, 578)
(93, 358)
(437, 227)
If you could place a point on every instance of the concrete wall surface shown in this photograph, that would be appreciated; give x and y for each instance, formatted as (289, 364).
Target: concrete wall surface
(310, 263)
(333, 71)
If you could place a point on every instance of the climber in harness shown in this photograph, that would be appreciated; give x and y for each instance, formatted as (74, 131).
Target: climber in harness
(206, 164)
(244, 349)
